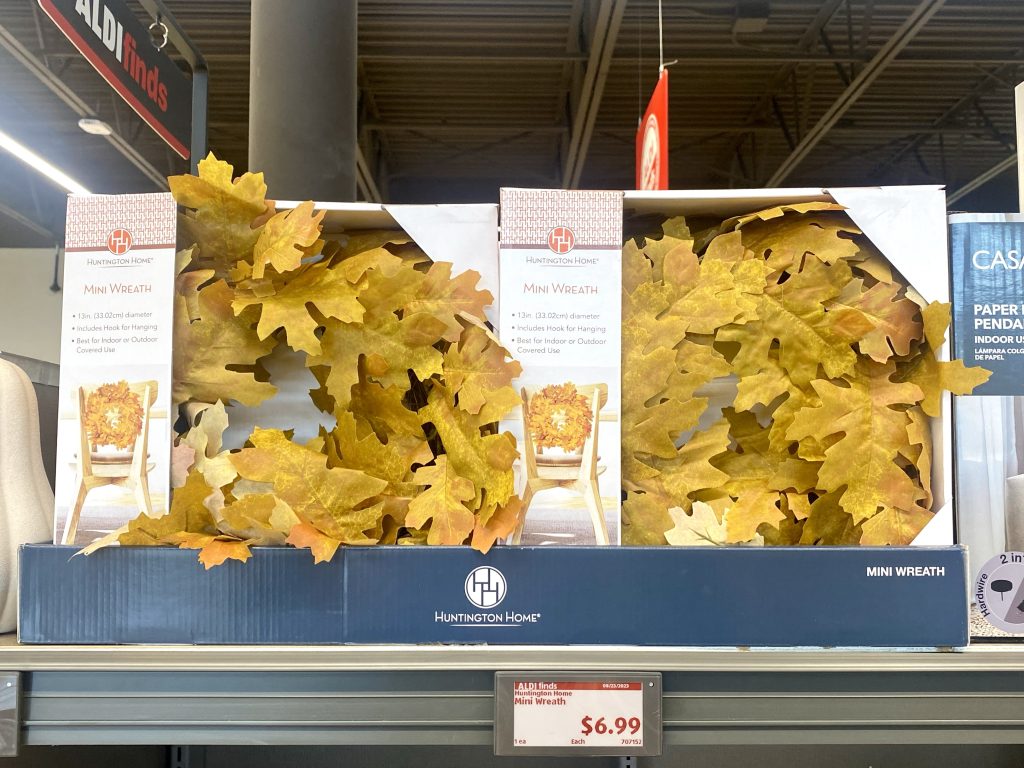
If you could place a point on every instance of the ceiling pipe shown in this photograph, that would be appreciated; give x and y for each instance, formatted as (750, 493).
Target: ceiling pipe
(892, 47)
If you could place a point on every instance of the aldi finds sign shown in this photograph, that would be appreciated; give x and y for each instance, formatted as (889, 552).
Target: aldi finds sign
(119, 46)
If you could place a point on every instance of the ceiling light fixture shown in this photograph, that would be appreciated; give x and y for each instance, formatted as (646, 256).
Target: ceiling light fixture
(95, 126)
(50, 171)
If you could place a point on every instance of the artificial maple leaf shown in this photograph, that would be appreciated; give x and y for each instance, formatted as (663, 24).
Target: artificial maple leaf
(305, 536)
(213, 550)
(699, 528)
(873, 431)
(484, 460)
(499, 524)
(444, 298)
(793, 313)
(329, 499)
(225, 211)
(895, 527)
(385, 410)
(442, 504)
(390, 348)
(361, 449)
(785, 234)
(203, 350)
(476, 370)
(187, 513)
(645, 518)
(750, 511)
(828, 523)
(284, 238)
(328, 290)
(893, 318)
(259, 518)
(690, 469)
(934, 376)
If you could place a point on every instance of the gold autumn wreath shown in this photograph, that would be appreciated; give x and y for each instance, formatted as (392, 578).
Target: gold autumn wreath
(560, 417)
(113, 415)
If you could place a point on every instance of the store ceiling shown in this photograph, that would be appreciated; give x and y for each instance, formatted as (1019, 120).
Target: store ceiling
(459, 97)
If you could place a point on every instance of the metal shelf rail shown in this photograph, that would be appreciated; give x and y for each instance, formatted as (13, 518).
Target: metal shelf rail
(442, 695)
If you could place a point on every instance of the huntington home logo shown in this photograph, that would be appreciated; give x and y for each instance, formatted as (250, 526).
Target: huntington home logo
(119, 242)
(485, 587)
(561, 240)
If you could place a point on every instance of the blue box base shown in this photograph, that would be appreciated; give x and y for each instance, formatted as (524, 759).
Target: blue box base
(666, 596)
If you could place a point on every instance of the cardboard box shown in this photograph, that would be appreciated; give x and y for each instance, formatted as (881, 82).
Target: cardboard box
(114, 428)
(908, 225)
(988, 319)
(664, 596)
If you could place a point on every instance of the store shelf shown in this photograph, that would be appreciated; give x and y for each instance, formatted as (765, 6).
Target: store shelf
(444, 695)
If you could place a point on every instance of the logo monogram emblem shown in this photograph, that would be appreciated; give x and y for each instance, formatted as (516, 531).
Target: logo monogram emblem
(561, 240)
(485, 586)
(119, 242)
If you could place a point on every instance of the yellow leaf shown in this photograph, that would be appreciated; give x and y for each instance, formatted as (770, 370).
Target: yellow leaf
(645, 518)
(326, 289)
(891, 318)
(204, 349)
(392, 461)
(329, 499)
(444, 298)
(259, 518)
(282, 242)
(477, 371)
(220, 550)
(498, 525)
(484, 460)
(391, 349)
(441, 504)
(305, 536)
(699, 528)
(690, 469)
(873, 432)
(225, 211)
(748, 512)
(934, 376)
(895, 527)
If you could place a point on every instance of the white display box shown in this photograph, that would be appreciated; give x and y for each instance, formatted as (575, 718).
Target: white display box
(465, 235)
(908, 225)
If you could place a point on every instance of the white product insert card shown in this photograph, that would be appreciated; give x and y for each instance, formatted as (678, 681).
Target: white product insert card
(561, 318)
(114, 431)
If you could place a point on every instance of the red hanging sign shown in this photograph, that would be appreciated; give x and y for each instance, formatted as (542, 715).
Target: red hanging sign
(652, 140)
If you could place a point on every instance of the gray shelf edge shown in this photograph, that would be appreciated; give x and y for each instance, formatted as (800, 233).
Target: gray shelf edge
(29, 658)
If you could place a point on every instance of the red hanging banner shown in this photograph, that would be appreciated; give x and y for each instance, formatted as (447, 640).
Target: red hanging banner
(652, 140)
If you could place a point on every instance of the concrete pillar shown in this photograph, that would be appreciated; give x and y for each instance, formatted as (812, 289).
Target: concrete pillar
(302, 98)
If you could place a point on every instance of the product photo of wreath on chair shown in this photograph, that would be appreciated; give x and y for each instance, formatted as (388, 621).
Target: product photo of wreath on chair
(114, 444)
(560, 429)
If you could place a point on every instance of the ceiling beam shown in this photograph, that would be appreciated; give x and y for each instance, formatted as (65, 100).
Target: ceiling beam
(990, 81)
(915, 22)
(365, 180)
(982, 179)
(48, 78)
(588, 103)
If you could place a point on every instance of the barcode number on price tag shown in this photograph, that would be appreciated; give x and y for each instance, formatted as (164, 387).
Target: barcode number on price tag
(587, 715)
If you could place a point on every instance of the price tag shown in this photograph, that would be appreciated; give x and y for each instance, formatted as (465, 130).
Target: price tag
(574, 713)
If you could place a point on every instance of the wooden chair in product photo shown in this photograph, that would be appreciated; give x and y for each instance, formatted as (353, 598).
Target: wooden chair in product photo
(129, 468)
(576, 471)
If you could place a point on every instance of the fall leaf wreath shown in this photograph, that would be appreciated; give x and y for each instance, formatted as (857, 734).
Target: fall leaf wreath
(560, 418)
(778, 380)
(407, 372)
(113, 415)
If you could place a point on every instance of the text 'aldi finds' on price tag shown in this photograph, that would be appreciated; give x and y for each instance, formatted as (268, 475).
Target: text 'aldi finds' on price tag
(554, 713)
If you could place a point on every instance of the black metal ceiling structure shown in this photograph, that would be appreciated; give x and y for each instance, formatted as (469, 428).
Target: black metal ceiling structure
(460, 97)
